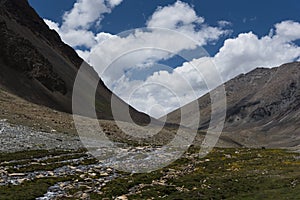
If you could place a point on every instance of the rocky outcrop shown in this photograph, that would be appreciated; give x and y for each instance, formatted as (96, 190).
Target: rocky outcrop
(20, 54)
(25, 15)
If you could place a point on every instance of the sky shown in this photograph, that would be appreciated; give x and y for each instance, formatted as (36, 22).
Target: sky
(160, 55)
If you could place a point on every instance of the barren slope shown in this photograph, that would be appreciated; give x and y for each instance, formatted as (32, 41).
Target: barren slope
(262, 107)
(37, 66)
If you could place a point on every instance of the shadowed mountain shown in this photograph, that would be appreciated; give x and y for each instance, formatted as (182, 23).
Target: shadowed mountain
(263, 108)
(37, 66)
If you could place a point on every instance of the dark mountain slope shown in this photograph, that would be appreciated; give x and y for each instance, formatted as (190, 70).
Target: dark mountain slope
(37, 66)
(263, 107)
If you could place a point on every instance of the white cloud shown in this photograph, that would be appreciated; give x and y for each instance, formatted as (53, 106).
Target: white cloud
(140, 47)
(52, 25)
(175, 16)
(83, 54)
(84, 14)
(77, 38)
(73, 37)
(182, 17)
(101, 37)
(179, 28)
(248, 51)
(114, 3)
(288, 30)
(171, 88)
(238, 55)
(75, 29)
(224, 23)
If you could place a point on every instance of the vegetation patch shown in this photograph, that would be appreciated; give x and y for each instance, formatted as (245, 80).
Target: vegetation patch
(223, 174)
(30, 189)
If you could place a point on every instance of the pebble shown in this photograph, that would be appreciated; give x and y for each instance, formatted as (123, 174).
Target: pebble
(93, 174)
(82, 176)
(123, 197)
(84, 196)
(19, 138)
(17, 174)
(15, 138)
(40, 176)
(104, 174)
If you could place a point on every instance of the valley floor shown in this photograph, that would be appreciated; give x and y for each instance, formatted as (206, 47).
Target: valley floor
(48, 161)
(223, 174)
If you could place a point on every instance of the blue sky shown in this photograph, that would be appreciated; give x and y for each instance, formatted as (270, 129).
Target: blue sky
(248, 15)
(237, 36)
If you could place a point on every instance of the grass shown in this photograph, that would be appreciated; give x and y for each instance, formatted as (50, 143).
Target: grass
(222, 174)
(53, 162)
(22, 155)
(30, 189)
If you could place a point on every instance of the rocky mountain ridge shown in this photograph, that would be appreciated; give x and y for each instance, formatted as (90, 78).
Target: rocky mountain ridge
(262, 107)
(37, 66)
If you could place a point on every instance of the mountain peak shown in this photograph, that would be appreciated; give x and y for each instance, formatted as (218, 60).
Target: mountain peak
(262, 107)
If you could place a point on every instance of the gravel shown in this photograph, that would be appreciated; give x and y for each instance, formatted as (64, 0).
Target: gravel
(15, 138)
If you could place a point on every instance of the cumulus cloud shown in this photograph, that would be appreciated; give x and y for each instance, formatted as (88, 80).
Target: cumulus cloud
(125, 62)
(174, 16)
(178, 28)
(84, 14)
(141, 47)
(114, 3)
(52, 25)
(238, 55)
(169, 89)
(247, 50)
(75, 28)
(288, 30)
(182, 17)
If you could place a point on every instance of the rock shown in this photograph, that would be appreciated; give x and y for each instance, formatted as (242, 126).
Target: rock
(88, 179)
(123, 197)
(92, 174)
(109, 170)
(227, 156)
(88, 191)
(68, 187)
(17, 174)
(82, 176)
(50, 173)
(40, 176)
(61, 185)
(21, 180)
(85, 196)
(104, 174)
(78, 194)
(72, 167)
(86, 186)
